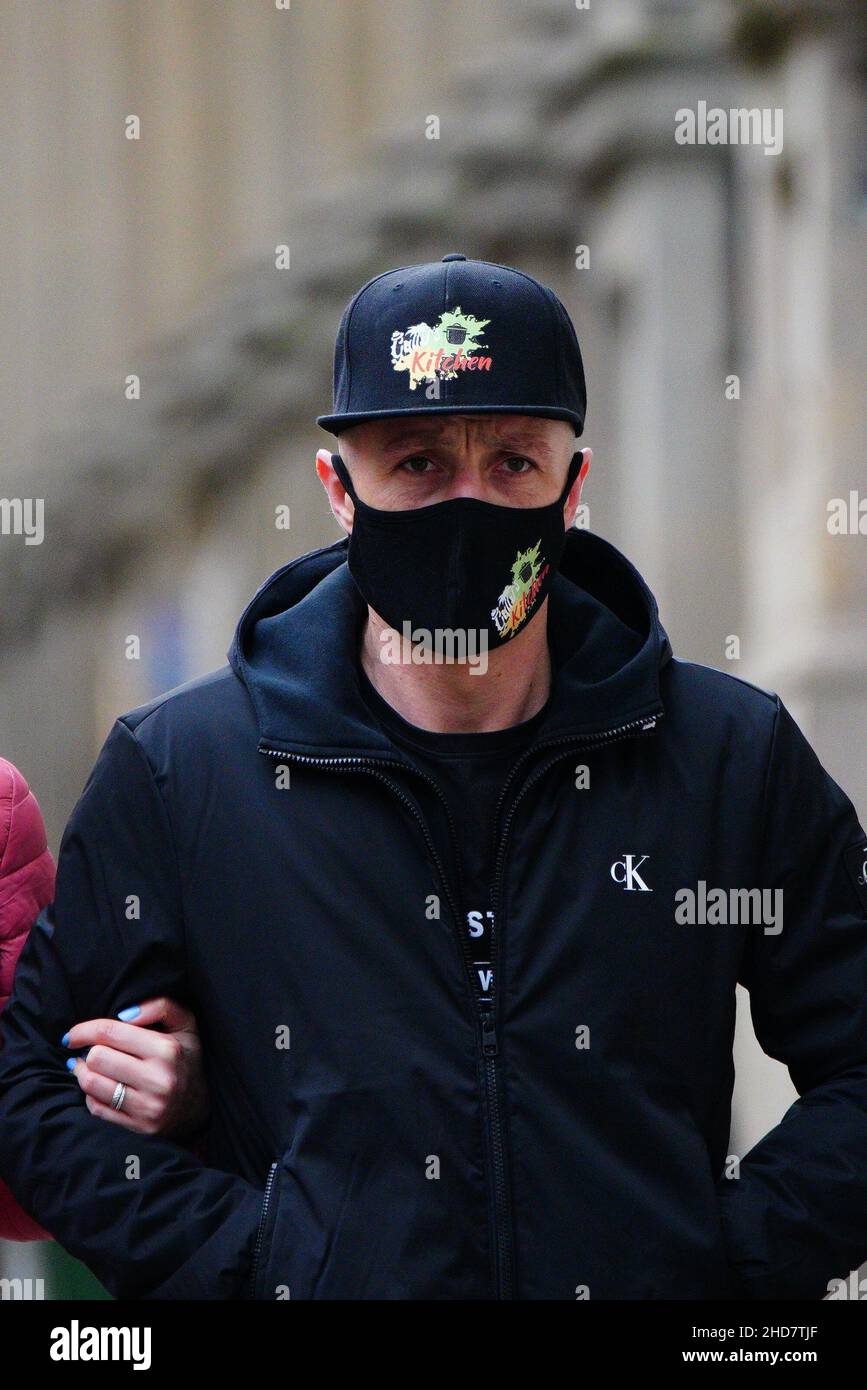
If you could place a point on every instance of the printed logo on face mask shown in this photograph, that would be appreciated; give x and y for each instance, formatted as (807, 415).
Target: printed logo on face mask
(430, 353)
(517, 599)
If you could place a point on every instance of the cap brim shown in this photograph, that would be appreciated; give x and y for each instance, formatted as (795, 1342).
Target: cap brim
(335, 424)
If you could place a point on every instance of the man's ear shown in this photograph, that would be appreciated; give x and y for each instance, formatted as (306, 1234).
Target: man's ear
(341, 504)
(574, 499)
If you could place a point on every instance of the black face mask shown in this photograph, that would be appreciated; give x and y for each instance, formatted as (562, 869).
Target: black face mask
(461, 564)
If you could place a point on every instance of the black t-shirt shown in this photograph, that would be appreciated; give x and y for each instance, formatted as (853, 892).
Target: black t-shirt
(470, 769)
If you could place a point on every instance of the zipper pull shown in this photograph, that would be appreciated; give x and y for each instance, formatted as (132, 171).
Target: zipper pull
(489, 1034)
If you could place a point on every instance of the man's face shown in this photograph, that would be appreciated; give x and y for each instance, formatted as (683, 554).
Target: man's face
(415, 460)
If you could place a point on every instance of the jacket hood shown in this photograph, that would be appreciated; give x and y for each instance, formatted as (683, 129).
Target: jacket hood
(295, 650)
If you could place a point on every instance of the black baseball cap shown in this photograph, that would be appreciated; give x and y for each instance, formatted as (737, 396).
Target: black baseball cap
(455, 336)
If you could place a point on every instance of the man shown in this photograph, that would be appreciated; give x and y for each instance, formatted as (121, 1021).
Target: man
(461, 936)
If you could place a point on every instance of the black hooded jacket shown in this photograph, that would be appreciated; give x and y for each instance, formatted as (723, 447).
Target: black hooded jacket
(253, 844)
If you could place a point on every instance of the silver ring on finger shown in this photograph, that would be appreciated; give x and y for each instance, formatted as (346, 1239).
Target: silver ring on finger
(118, 1097)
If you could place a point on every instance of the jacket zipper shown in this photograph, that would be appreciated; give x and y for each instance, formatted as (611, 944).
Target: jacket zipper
(260, 1233)
(484, 1012)
(505, 1251)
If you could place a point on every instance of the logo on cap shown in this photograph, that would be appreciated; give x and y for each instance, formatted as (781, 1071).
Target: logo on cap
(452, 345)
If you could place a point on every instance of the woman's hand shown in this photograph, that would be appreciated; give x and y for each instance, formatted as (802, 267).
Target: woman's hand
(162, 1070)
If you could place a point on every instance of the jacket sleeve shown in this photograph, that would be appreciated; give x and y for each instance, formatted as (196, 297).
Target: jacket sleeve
(796, 1217)
(26, 886)
(143, 1213)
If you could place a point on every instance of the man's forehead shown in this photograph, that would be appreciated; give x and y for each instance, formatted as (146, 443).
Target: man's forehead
(493, 427)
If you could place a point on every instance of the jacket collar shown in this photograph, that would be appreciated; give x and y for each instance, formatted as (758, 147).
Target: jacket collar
(295, 650)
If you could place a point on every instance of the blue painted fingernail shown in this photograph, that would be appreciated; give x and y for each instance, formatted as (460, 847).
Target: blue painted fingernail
(70, 1062)
(64, 1039)
(132, 1012)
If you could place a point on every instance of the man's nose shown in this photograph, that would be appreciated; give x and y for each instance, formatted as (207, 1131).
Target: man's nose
(468, 480)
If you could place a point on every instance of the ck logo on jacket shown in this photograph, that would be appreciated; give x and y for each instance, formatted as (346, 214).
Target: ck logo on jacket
(625, 872)
(425, 1138)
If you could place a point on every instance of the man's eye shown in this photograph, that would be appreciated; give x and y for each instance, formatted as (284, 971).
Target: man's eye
(523, 465)
(417, 459)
